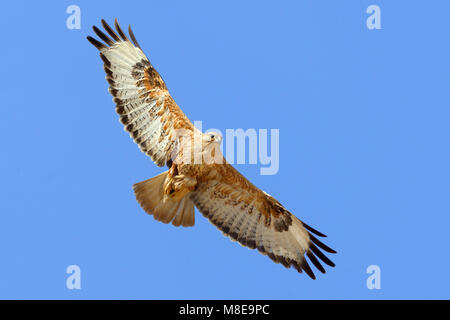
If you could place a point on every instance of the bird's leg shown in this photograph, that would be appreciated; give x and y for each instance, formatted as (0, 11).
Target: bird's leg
(182, 182)
(178, 185)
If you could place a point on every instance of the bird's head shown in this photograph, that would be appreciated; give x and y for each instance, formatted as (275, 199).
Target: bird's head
(212, 137)
(211, 147)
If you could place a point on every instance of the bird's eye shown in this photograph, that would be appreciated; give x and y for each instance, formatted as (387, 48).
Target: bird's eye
(212, 136)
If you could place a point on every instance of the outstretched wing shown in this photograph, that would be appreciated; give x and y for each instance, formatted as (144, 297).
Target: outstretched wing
(143, 102)
(256, 220)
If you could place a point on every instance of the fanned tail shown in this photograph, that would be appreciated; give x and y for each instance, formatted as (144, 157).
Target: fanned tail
(150, 195)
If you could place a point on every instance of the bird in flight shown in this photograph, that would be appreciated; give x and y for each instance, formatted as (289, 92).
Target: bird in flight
(162, 131)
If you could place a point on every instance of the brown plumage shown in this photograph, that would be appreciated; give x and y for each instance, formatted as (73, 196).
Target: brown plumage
(162, 131)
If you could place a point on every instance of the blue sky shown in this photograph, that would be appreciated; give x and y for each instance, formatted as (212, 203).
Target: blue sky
(364, 158)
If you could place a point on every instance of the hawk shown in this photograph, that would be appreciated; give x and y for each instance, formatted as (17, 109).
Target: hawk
(162, 131)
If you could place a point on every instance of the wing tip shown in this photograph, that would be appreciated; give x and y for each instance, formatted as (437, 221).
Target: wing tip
(100, 46)
(321, 245)
(120, 31)
(311, 229)
(133, 38)
(117, 35)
